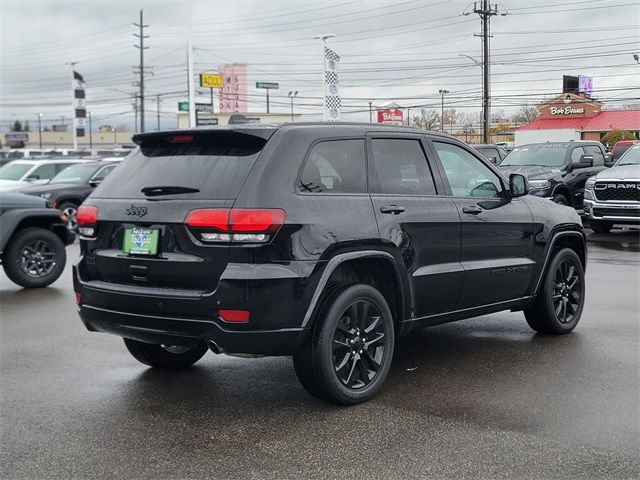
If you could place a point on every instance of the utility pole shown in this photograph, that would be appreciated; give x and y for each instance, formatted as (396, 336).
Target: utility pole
(370, 112)
(141, 36)
(158, 109)
(485, 11)
(190, 69)
(442, 94)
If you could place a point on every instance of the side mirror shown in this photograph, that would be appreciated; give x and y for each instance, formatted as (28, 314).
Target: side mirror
(608, 159)
(94, 182)
(518, 185)
(584, 162)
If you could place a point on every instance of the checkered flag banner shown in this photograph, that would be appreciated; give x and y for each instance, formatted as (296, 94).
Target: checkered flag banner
(331, 95)
(79, 106)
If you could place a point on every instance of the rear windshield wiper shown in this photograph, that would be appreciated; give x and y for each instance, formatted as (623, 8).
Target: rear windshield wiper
(167, 190)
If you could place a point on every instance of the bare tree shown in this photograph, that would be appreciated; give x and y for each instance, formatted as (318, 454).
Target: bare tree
(427, 120)
(526, 114)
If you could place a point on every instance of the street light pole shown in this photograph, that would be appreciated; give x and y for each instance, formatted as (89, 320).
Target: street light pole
(370, 112)
(292, 95)
(442, 93)
(115, 136)
(40, 130)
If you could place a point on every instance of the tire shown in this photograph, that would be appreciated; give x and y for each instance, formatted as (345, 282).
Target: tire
(547, 313)
(70, 209)
(333, 368)
(22, 264)
(159, 356)
(560, 199)
(599, 226)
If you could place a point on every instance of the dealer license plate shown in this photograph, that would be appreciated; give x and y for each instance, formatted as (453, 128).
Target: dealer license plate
(141, 241)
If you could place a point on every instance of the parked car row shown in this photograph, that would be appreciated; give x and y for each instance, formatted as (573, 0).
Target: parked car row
(64, 182)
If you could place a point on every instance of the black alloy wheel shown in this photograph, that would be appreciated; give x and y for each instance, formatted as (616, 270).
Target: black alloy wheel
(348, 353)
(559, 303)
(38, 258)
(567, 291)
(358, 344)
(35, 257)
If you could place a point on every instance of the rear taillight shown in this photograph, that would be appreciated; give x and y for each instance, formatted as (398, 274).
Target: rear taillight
(87, 218)
(234, 316)
(240, 225)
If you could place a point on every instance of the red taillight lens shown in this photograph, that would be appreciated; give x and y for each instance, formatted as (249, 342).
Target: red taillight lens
(244, 220)
(87, 218)
(234, 316)
(236, 225)
(209, 218)
(87, 215)
(78, 297)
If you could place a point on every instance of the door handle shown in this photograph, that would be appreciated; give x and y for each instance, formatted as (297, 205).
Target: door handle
(472, 210)
(392, 209)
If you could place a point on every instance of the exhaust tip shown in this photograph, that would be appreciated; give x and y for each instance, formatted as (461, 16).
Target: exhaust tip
(213, 346)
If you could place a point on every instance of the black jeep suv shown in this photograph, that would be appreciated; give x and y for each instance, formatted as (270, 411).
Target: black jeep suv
(321, 241)
(557, 171)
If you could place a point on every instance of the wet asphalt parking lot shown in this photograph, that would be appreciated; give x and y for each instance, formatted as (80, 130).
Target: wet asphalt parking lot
(484, 398)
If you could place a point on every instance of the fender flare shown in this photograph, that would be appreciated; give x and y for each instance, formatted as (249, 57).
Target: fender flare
(549, 249)
(334, 263)
(11, 219)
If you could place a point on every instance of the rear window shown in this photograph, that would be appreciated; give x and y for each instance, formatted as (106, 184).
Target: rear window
(216, 165)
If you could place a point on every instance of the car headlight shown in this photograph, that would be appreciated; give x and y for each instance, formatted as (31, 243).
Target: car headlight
(590, 183)
(46, 195)
(539, 184)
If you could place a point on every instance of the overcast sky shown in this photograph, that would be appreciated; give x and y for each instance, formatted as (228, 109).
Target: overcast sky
(397, 50)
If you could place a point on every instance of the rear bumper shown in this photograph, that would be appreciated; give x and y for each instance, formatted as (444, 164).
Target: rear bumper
(276, 305)
(184, 331)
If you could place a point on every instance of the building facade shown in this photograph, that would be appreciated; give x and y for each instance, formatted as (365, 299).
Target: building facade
(573, 116)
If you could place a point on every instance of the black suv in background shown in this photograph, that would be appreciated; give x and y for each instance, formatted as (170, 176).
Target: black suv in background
(67, 190)
(557, 171)
(321, 241)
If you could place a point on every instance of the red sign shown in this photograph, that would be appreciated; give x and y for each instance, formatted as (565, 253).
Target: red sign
(390, 116)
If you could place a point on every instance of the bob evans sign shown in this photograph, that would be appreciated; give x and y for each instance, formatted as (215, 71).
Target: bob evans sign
(390, 116)
(566, 111)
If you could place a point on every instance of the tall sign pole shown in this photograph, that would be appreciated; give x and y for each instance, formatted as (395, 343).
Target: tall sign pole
(323, 40)
(73, 96)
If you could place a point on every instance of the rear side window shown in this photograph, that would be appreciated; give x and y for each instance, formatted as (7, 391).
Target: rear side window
(214, 164)
(400, 168)
(46, 172)
(334, 166)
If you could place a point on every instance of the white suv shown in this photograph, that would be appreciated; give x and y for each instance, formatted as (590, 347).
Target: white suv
(20, 173)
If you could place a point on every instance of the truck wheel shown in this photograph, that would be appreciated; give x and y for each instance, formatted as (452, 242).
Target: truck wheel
(560, 200)
(35, 257)
(165, 356)
(71, 211)
(558, 306)
(599, 226)
(349, 351)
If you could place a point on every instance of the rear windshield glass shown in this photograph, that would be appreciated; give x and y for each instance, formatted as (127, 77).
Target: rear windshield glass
(205, 167)
(540, 156)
